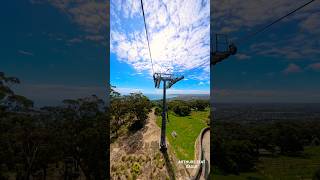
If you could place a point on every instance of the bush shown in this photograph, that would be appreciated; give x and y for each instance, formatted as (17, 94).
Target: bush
(136, 168)
(315, 141)
(179, 107)
(288, 139)
(182, 110)
(199, 105)
(316, 175)
(237, 156)
(158, 111)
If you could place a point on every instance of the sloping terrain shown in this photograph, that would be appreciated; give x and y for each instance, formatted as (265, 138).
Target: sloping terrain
(137, 156)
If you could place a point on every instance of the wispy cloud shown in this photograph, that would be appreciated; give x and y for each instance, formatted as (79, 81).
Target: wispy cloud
(124, 90)
(292, 68)
(128, 90)
(242, 56)
(27, 53)
(179, 38)
(91, 16)
(75, 40)
(231, 15)
(237, 17)
(299, 46)
(314, 66)
(311, 23)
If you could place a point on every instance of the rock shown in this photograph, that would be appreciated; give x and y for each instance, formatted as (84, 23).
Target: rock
(174, 134)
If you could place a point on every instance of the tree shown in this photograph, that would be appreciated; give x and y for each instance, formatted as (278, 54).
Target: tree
(139, 106)
(158, 111)
(286, 136)
(76, 129)
(199, 105)
(315, 141)
(233, 156)
(316, 175)
(82, 134)
(113, 93)
(119, 110)
(182, 110)
(179, 107)
(242, 153)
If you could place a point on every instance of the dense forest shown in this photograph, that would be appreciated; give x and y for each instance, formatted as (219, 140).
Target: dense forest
(182, 107)
(238, 146)
(61, 142)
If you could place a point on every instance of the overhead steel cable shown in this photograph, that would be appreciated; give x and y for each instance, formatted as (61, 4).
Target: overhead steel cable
(201, 65)
(145, 26)
(274, 22)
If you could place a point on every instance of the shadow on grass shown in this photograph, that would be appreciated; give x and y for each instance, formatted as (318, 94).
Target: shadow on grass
(169, 166)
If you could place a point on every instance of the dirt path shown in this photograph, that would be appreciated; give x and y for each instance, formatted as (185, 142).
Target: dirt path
(151, 139)
(153, 164)
(152, 131)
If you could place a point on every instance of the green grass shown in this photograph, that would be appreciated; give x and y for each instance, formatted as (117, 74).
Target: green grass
(283, 167)
(187, 129)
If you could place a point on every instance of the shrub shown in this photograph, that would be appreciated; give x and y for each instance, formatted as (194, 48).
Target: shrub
(181, 108)
(136, 168)
(158, 111)
(315, 141)
(316, 175)
(199, 105)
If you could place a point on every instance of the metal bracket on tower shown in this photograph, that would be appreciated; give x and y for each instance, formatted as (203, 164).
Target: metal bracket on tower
(222, 49)
(168, 81)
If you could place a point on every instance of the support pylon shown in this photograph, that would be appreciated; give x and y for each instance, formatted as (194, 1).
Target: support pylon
(168, 81)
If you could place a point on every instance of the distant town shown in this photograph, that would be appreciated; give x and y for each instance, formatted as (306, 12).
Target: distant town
(268, 112)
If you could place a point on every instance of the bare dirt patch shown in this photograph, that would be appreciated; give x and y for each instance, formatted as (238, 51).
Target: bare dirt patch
(137, 156)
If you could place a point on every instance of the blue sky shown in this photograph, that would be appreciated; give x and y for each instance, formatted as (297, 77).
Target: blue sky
(281, 64)
(179, 42)
(56, 49)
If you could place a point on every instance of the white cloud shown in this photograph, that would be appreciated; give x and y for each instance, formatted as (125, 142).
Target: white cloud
(242, 56)
(298, 46)
(128, 90)
(91, 16)
(312, 23)
(189, 91)
(292, 68)
(25, 53)
(232, 15)
(314, 66)
(178, 33)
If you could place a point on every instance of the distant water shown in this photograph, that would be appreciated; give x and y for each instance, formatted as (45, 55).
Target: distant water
(158, 96)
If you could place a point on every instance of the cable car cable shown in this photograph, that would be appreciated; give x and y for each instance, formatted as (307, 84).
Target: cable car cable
(145, 26)
(246, 38)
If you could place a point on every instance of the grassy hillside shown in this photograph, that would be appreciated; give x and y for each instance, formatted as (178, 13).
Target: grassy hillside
(187, 129)
(283, 167)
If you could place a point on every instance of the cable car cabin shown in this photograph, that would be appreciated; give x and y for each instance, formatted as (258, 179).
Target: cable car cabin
(222, 49)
